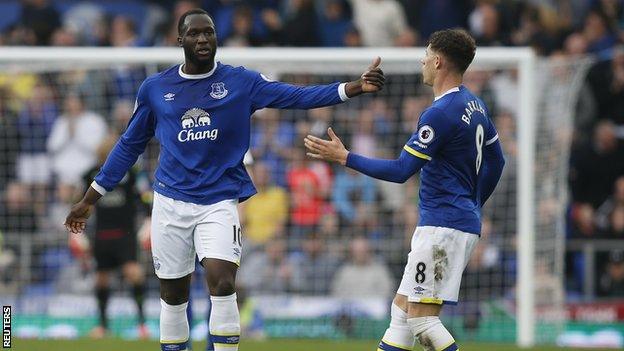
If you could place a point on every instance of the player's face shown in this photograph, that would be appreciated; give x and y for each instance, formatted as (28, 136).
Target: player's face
(199, 39)
(429, 63)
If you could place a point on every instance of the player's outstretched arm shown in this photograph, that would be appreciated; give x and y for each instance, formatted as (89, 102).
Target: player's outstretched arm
(397, 171)
(267, 93)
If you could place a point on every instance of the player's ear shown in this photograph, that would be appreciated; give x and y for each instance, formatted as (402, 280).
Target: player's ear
(179, 41)
(438, 61)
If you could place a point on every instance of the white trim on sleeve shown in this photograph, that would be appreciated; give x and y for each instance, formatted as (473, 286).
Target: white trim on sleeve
(342, 91)
(491, 141)
(100, 189)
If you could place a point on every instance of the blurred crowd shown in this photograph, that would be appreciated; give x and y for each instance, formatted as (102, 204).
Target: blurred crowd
(574, 27)
(313, 228)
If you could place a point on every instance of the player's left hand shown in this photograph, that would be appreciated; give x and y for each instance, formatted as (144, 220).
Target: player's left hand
(329, 150)
(373, 79)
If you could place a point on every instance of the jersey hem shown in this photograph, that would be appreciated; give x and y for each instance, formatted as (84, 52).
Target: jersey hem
(213, 199)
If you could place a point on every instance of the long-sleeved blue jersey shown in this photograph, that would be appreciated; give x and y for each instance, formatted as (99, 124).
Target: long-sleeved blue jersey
(203, 125)
(457, 148)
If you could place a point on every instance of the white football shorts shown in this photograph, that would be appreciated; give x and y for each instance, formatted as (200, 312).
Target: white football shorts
(435, 265)
(182, 229)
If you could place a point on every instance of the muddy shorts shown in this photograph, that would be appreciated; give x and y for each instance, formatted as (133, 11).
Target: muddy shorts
(435, 265)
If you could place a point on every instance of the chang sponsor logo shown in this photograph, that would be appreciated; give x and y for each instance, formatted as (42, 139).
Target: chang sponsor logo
(196, 118)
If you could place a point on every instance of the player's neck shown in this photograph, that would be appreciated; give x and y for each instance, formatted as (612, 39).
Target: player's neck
(191, 67)
(445, 84)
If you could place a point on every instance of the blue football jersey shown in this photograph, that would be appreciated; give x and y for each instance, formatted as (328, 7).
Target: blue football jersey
(451, 135)
(203, 125)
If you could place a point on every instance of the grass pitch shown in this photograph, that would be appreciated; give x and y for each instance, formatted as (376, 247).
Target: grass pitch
(267, 345)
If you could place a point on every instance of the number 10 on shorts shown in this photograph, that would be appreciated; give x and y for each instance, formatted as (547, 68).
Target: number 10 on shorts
(237, 236)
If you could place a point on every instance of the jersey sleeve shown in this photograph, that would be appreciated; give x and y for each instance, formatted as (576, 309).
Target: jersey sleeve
(269, 93)
(433, 131)
(491, 135)
(129, 146)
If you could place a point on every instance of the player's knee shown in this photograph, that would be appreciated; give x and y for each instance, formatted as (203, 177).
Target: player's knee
(223, 287)
(175, 292)
(173, 299)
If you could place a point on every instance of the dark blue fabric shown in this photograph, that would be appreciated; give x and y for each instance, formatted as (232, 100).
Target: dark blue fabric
(218, 339)
(385, 347)
(397, 171)
(203, 126)
(174, 347)
(492, 169)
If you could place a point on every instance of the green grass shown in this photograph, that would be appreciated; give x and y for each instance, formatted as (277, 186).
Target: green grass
(269, 345)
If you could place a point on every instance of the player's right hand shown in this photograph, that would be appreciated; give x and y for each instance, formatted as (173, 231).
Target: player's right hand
(76, 220)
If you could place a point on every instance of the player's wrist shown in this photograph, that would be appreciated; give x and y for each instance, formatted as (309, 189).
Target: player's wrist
(354, 88)
(345, 159)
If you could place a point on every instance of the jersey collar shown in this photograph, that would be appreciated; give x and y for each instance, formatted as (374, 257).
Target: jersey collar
(452, 90)
(197, 76)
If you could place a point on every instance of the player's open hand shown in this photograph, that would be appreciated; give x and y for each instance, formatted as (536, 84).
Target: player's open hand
(329, 150)
(76, 220)
(373, 79)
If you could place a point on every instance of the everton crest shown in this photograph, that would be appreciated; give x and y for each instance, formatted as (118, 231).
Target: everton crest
(218, 90)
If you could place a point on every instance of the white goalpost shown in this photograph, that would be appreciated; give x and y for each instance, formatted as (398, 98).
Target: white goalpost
(534, 81)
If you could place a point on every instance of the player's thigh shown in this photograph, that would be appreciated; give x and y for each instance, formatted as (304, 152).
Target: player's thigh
(105, 254)
(172, 228)
(219, 235)
(435, 264)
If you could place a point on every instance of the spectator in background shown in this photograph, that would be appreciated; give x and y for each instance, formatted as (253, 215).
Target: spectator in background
(73, 143)
(363, 139)
(538, 27)
(575, 45)
(271, 271)
(241, 33)
(300, 23)
(353, 38)
(34, 124)
(612, 280)
(87, 23)
(609, 216)
(482, 278)
(316, 265)
(122, 112)
(17, 213)
(306, 202)
(353, 190)
(266, 213)
(334, 23)
(126, 78)
(363, 275)
(433, 15)
(595, 167)
(606, 82)
(486, 26)
(271, 141)
(382, 23)
(9, 138)
(599, 32)
(593, 171)
(40, 17)
(123, 32)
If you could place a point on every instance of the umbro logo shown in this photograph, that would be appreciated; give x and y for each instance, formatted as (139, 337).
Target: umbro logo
(169, 96)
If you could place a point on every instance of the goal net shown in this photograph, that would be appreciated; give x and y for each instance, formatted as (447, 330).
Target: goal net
(324, 248)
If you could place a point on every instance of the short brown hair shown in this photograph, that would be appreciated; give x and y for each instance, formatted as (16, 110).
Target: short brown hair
(456, 45)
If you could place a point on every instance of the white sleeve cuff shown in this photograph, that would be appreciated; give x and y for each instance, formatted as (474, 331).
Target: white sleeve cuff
(342, 91)
(491, 141)
(98, 188)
